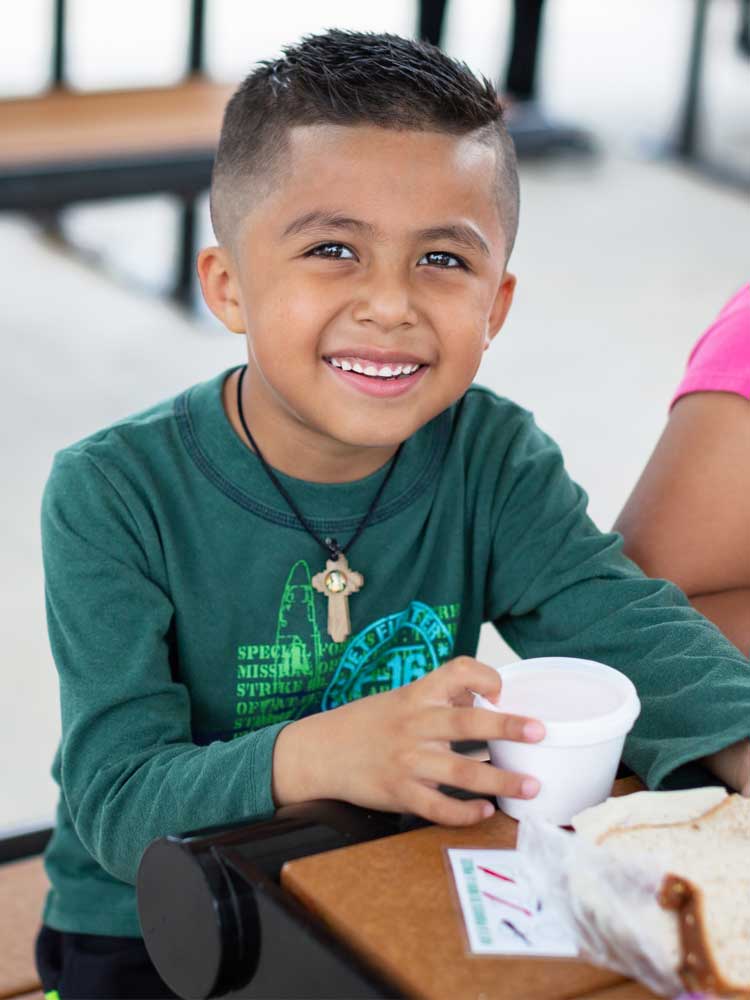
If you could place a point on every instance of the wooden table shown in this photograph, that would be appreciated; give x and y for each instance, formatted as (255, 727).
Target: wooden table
(102, 125)
(67, 146)
(393, 902)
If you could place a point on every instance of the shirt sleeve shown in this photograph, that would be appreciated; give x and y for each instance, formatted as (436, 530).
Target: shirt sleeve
(129, 770)
(560, 587)
(720, 360)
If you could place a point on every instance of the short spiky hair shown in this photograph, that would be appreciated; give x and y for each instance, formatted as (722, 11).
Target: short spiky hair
(353, 78)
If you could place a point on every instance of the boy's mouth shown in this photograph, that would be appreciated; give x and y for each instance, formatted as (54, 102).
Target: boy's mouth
(372, 369)
(388, 376)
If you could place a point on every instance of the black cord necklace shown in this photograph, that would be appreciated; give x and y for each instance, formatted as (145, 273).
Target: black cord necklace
(337, 581)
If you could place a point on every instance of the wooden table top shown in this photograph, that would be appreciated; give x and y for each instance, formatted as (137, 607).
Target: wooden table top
(23, 886)
(68, 126)
(393, 901)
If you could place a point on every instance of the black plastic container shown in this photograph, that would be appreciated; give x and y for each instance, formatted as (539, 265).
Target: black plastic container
(216, 921)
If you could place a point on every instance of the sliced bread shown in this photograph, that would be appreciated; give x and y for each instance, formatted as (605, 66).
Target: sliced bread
(714, 919)
(646, 807)
(706, 858)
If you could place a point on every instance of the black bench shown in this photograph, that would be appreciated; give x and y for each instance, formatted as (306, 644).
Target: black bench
(64, 146)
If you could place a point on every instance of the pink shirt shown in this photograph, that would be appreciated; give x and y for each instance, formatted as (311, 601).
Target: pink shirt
(720, 361)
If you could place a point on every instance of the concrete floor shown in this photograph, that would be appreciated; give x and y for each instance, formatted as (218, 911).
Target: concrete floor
(621, 263)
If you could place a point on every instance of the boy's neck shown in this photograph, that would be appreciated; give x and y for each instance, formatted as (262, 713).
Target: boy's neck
(294, 449)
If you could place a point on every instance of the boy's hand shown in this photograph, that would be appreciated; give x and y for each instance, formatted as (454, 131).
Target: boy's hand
(390, 751)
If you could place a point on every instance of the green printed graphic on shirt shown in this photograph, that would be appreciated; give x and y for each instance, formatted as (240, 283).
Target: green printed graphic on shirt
(391, 652)
(302, 671)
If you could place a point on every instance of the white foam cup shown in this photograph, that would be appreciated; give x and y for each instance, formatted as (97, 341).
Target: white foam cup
(587, 709)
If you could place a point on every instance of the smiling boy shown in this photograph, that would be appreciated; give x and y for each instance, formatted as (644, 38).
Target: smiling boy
(373, 248)
(250, 587)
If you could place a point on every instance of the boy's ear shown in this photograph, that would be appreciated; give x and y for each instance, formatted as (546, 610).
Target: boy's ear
(500, 307)
(220, 287)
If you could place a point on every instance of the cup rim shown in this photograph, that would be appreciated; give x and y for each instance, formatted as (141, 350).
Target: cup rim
(610, 725)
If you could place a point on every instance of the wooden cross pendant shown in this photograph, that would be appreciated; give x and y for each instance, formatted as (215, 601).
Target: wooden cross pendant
(337, 581)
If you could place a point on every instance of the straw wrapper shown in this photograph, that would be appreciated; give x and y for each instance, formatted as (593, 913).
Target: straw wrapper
(608, 904)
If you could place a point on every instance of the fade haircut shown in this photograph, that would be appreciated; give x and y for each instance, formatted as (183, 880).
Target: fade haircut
(352, 78)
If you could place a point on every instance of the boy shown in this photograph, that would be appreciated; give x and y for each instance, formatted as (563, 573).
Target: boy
(231, 573)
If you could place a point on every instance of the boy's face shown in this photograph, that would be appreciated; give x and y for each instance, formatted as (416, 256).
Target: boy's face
(376, 248)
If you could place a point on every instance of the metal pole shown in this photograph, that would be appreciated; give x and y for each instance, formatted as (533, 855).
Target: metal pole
(197, 33)
(58, 45)
(184, 284)
(687, 135)
(49, 220)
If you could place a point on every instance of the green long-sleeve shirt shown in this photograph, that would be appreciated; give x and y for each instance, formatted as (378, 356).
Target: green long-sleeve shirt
(186, 629)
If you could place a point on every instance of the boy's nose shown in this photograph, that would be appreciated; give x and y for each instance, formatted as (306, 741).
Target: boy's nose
(385, 300)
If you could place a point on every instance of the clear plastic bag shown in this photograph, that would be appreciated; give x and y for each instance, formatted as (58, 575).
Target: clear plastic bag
(608, 904)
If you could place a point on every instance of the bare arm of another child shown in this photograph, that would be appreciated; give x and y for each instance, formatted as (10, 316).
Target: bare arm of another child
(391, 751)
(688, 520)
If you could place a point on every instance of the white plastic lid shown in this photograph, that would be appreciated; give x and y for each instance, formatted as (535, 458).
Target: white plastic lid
(580, 702)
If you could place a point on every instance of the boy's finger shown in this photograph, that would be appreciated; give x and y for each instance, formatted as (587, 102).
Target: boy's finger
(463, 674)
(476, 776)
(453, 724)
(463, 700)
(439, 808)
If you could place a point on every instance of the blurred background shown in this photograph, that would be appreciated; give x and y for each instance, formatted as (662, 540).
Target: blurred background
(632, 237)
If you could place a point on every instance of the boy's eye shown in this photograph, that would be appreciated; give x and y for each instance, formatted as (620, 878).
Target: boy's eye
(336, 251)
(439, 258)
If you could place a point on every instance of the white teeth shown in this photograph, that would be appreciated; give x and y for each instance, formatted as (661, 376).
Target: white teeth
(385, 371)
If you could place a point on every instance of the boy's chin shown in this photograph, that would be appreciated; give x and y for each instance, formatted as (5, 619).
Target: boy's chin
(368, 441)
(391, 427)
(368, 436)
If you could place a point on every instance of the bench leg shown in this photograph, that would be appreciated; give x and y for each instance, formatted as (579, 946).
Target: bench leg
(685, 146)
(185, 280)
(49, 221)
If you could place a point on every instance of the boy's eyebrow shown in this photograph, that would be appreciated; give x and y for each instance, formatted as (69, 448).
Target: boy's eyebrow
(462, 234)
(327, 220)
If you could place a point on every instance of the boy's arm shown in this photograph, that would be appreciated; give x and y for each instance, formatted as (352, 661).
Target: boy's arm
(129, 769)
(558, 586)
